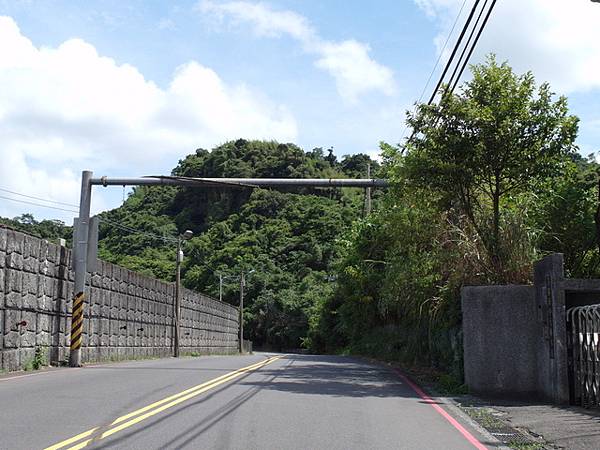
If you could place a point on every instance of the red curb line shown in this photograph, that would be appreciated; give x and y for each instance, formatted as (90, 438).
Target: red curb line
(468, 436)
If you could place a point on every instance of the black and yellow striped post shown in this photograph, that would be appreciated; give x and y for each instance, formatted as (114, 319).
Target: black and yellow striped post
(77, 322)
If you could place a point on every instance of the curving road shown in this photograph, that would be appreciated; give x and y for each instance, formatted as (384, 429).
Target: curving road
(261, 401)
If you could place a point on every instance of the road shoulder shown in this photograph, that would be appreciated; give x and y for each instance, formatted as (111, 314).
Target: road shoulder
(448, 404)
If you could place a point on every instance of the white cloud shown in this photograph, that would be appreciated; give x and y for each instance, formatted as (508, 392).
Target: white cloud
(68, 108)
(348, 61)
(557, 40)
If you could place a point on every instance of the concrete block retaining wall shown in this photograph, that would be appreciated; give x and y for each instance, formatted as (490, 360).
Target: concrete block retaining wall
(127, 315)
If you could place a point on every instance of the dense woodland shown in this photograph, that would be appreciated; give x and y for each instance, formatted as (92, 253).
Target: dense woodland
(491, 181)
(290, 238)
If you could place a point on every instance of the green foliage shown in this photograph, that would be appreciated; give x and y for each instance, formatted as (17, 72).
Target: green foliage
(398, 285)
(38, 361)
(290, 237)
(564, 211)
(149, 211)
(52, 230)
(489, 183)
(499, 137)
(290, 240)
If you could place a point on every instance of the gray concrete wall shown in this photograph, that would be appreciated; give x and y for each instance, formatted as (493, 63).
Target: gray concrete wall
(500, 340)
(127, 315)
(553, 375)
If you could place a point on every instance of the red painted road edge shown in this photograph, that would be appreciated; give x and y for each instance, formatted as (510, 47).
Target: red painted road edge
(427, 399)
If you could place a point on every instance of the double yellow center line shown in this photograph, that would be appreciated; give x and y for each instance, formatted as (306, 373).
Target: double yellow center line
(96, 434)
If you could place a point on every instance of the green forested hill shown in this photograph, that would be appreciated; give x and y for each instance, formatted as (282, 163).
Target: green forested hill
(289, 237)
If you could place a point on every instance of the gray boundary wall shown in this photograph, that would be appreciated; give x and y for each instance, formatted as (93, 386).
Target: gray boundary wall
(127, 315)
(502, 341)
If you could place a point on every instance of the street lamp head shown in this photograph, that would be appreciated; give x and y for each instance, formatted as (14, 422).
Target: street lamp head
(187, 234)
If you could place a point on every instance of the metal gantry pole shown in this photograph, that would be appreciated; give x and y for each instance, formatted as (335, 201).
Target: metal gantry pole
(81, 245)
(368, 193)
(248, 182)
(80, 253)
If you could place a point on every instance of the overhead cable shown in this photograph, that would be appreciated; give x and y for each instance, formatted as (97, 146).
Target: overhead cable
(453, 54)
(487, 16)
(462, 63)
(134, 230)
(466, 46)
(37, 204)
(437, 62)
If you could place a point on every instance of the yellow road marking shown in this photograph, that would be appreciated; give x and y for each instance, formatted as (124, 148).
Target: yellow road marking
(165, 400)
(155, 408)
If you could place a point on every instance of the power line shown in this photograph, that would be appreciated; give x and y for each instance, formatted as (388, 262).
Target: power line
(454, 81)
(442, 51)
(456, 47)
(474, 44)
(38, 198)
(462, 54)
(37, 204)
(102, 219)
(134, 230)
(437, 62)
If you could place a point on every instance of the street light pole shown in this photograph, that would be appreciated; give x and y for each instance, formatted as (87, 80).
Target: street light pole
(177, 306)
(242, 285)
(220, 287)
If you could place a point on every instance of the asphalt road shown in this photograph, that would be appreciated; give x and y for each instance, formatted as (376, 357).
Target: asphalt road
(273, 402)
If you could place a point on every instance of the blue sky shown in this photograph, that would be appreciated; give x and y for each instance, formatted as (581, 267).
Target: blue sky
(127, 88)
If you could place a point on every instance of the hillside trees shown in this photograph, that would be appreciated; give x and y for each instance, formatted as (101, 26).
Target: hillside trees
(53, 230)
(289, 236)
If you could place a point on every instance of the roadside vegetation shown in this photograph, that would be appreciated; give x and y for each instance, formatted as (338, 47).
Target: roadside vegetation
(490, 181)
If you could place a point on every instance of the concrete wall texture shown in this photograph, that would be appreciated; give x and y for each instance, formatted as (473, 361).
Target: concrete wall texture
(127, 315)
(501, 340)
(515, 337)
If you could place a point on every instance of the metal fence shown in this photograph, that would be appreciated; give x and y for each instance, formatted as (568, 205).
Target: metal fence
(583, 324)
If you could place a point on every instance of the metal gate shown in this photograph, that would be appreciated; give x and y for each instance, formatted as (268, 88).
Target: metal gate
(583, 328)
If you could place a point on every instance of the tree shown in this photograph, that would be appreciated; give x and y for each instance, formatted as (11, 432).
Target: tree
(356, 165)
(52, 230)
(565, 212)
(497, 138)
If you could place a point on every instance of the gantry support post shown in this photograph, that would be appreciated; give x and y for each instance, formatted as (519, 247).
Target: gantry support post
(80, 253)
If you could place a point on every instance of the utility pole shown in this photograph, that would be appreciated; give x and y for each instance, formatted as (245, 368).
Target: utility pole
(242, 285)
(177, 306)
(242, 282)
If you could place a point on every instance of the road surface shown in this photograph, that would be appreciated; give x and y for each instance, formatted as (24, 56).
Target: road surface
(260, 401)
